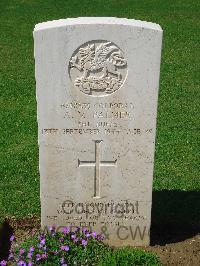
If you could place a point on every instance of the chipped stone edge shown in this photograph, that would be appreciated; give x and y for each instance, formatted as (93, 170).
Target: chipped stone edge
(96, 20)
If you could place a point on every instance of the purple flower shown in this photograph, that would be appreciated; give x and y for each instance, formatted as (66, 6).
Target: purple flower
(40, 246)
(21, 251)
(42, 242)
(62, 260)
(77, 229)
(87, 235)
(84, 242)
(75, 239)
(65, 248)
(100, 237)
(44, 256)
(31, 249)
(66, 230)
(84, 229)
(30, 264)
(61, 239)
(30, 254)
(73, 236)
(11, 256)
(38, 257)
(21, 263)
(41, 237)
(94, 233)
(52, 230)
(3, 263)
(12, 238)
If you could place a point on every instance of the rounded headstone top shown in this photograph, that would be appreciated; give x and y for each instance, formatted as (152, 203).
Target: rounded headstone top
(96, 20)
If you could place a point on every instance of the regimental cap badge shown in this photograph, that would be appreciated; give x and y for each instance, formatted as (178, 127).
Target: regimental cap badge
(98, 68)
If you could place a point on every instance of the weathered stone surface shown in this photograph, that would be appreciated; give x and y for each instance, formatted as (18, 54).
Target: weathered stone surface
(97, 85)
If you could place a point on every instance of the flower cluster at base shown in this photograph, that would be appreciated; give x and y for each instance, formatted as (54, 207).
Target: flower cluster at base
(52, 247)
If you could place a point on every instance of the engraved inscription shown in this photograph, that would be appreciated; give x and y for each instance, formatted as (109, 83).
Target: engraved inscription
(97, 164)
(106, 131)
(98, 68)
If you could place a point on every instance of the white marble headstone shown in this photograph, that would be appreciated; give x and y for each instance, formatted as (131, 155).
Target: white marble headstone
(97, 85)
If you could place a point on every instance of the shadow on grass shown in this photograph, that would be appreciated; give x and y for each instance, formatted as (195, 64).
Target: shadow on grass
(175, 216)
(5, 233)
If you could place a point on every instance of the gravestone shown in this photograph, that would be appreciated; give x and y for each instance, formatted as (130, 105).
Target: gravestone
(97, 85)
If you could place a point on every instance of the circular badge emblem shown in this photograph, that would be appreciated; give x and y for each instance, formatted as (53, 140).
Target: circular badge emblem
(98, 68)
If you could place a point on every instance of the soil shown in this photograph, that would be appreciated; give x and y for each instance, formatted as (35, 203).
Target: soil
(182, 253)
(171, 250)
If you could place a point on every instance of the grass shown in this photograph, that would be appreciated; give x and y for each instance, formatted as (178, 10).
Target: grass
(177, 148)
(129, 257)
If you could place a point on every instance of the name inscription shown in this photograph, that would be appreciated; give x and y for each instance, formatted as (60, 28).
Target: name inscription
(98, 118)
